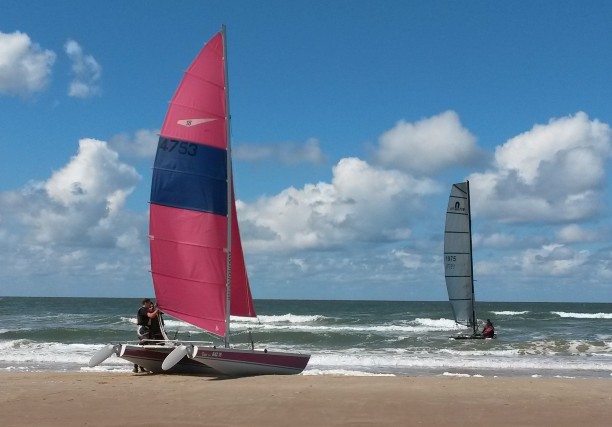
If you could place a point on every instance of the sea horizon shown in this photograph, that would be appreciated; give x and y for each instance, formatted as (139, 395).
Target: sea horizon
(152, 297)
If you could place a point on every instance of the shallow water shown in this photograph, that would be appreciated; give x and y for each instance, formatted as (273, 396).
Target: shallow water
(344, 337)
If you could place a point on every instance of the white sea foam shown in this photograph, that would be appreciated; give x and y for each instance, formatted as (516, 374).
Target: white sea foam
(449, 374)
(438, 324)
(32, 356)
(129, 320)
(419, 326)
(509, 313)
(344, 372)
(456, 374)
(566, 348)
(316, 324)
(124, 367)
(281, 322)
(583, 315)
(476, 353)
(382, 361)
(20, 329)
(357, 329)
(284, 318)
(41, 354)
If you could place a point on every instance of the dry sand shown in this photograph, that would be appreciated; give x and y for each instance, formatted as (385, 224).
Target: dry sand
(125, 399)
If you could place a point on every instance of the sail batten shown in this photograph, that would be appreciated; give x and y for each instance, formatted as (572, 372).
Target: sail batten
(203, 79)
(207, 112)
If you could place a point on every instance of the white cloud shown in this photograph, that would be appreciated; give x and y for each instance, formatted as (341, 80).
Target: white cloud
(554, 260)
(300, 263)
(564, 145)
(429, 145)
(367, 227)
(142, 145)
(495, 240)
(603, 270)
(574, 233)
(94, 174)
(71, 227)
(24, 67)
(554, 172)
(409, 260)
(86, 72)
(288, 153)
(491, 268)
(360, 204)
(82, 202)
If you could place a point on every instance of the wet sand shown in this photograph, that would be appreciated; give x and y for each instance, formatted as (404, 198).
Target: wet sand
(118, 399)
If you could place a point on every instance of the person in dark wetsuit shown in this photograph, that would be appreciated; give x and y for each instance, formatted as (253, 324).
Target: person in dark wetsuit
(155, 332)
(489, 330)
(147, 315)
(148, 325)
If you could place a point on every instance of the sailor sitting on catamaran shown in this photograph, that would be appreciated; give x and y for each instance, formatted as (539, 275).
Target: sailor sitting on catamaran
(489, 330)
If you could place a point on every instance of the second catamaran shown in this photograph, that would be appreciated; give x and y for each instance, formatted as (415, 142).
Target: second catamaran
(458, 261)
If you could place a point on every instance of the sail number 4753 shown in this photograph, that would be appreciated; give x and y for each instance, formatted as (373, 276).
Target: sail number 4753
(181, 147)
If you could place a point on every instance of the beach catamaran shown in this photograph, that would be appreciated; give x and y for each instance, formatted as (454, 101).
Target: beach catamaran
(197, 262)
(458, 262)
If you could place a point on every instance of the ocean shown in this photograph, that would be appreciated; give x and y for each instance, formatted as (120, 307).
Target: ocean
(356, 338)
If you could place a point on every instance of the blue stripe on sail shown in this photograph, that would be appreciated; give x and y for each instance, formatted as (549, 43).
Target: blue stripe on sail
(190, 176)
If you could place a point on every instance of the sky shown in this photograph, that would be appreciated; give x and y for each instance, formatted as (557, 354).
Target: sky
(350, 122)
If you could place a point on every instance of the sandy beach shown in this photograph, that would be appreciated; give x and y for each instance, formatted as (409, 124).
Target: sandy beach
(100, 399)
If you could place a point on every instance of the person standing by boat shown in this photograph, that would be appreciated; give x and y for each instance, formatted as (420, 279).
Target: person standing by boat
(146, 315)
(489, 330)
(155, 328)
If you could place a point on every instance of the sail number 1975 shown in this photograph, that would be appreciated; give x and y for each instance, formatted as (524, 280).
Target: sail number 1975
(450, 261)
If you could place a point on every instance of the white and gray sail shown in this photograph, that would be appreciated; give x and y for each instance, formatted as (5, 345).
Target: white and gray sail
(458, 265)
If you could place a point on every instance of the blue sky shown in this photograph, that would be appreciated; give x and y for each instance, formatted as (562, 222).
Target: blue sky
(350, 122)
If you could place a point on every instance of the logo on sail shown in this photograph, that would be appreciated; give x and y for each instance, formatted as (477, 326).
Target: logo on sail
(458, 207)
(193, 122)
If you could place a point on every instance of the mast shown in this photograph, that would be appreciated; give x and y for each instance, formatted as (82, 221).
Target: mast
(228, 276)
(471, 257)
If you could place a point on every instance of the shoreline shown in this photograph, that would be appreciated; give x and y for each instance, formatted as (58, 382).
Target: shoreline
(101, 398)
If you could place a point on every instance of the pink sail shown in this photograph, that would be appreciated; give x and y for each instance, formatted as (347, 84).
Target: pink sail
(189, 207)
